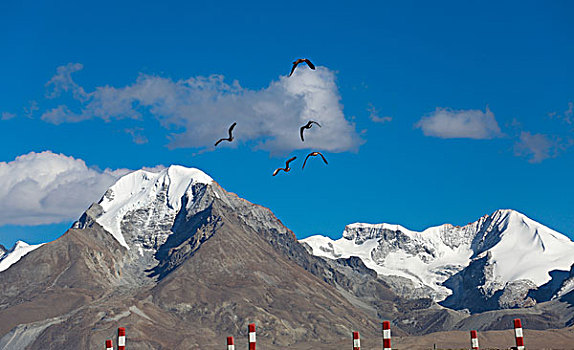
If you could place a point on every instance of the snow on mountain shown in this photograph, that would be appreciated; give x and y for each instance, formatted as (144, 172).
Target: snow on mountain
(527, 249)
(158, 196)
(426, 258)
(16, 253)
(514, 247)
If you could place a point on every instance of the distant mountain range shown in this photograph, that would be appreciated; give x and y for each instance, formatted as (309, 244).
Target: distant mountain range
(181, 263)
(503, 260)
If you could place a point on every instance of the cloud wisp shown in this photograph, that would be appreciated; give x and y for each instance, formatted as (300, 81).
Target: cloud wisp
(538, 147)
(63, 82)
(197, 111)
(448, 124)
(137, 134)
(46, 188)
(7, 116)
(566, 116)
(374, 115)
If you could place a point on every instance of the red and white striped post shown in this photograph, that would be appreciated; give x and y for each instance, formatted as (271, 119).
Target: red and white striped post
(121, 338)
(252, 336)
(518, 334)
(386, 335)
(109, 345)
(356, 341)
(230, 344)
(473, 340)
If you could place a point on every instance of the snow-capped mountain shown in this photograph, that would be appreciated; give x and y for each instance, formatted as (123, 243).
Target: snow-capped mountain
(141, 208)
(174, 256)
(12, 256)
(154, 199)
(180, 261)
(502, 260)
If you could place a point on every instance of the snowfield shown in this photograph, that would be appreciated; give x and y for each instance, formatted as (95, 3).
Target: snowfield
(517, 248)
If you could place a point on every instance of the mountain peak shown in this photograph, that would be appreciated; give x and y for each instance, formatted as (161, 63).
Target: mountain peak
(177, 173)
(164, 191)
(19, 245)
(181, 172)
(200, 262)
(507, 213)
(521, 224)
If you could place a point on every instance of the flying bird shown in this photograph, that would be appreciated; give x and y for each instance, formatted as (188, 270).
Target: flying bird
(287, 168)
(230, 138)
(307, 126)
(301, 60)
(314, 154)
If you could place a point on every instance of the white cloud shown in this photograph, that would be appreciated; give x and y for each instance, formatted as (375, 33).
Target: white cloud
(538, 147)
(46, 188)
(447, 123)
(198, 111)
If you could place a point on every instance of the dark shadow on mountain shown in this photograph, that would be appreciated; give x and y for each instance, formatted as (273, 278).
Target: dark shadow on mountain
(189, 233)
(547, 290)
(357, 264)
(486, 238)
(465, 286)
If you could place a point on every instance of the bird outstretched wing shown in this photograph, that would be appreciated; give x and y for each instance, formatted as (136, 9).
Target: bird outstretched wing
(289, 161)
(230, 138)
(293, 69)
(311, 65)
(301, 133)
(325, 160)
(305, 162)
(231, 130)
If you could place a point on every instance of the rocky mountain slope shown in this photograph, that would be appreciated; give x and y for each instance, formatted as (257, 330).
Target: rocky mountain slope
(182, 264)
(503, 260)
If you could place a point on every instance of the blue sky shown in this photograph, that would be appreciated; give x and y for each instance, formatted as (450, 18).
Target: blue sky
(433, 113)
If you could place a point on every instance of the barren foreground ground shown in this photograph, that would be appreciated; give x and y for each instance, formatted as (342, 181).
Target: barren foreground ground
(549, 339)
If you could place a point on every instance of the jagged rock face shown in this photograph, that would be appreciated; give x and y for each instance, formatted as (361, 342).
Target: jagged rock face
(393, 241)
(515, 295)
(503, 260)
